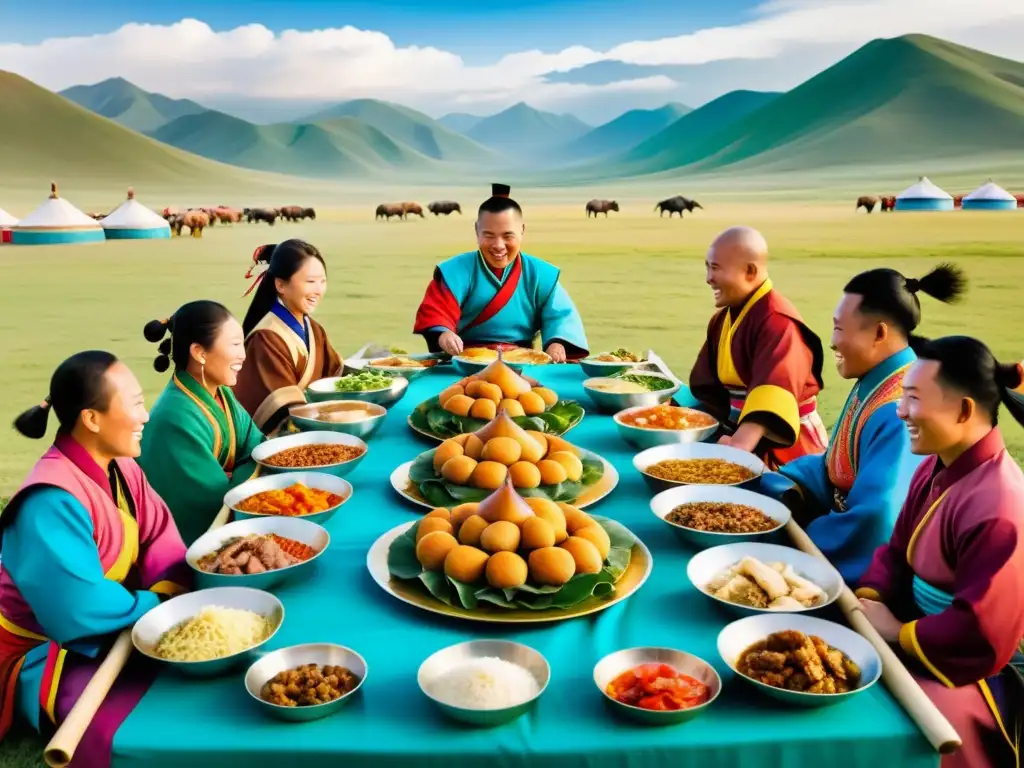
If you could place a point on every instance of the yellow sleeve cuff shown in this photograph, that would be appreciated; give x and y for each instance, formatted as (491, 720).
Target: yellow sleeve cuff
(779, 402)
(868, 593)
(910, 645)
(168, 588)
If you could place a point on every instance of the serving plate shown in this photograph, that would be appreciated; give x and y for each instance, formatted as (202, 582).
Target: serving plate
(406, 489)
(640, 564)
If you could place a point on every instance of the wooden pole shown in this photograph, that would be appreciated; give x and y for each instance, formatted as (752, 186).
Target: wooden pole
(933, 724)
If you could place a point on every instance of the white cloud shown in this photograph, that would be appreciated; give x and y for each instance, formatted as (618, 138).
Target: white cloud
(189, 59)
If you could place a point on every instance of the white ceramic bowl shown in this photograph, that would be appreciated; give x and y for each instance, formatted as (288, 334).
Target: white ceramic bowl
(265, 450)
(294, 656)
(706, 565)
(644, 438)
(150, 628)
(506, 650)
(740, 635)
(668, 500)
(613, 402)
(614, 664)
(652, 456)
(324, 389)
(295, 528)
(592, 367)
(317, 480)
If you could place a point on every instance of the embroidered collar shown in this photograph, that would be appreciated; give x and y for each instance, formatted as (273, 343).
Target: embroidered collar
(300, 329)
(885, 369)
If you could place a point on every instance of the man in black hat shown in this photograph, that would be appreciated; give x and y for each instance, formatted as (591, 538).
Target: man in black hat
(497, 296)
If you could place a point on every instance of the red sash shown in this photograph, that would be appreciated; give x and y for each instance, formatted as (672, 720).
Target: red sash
(501, 298)
(12, 654)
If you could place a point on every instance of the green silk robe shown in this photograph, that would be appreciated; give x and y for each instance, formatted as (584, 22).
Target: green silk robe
(195, 449)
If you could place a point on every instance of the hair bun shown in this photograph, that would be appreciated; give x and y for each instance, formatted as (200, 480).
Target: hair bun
(1009, 375)
(266, 253)
(162, 363)
(155, 330)
(913, 285)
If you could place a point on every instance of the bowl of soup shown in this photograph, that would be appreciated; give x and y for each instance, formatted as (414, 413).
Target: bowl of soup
(612, 394)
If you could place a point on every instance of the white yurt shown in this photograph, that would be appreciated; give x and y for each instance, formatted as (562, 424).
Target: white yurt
(6, 222)
(131, 220)
(990, 197)
(55, 222)
(924, 196)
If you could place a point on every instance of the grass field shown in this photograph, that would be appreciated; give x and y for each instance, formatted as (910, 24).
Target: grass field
(637, 280)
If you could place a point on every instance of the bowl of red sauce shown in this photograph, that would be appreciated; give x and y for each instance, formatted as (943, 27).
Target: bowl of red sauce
(657, 686)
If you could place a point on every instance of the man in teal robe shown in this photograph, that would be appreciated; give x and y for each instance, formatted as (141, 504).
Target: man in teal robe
(497, 295)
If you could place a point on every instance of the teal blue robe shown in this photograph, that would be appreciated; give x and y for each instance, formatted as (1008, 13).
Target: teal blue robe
(193, 452)
(849, 524)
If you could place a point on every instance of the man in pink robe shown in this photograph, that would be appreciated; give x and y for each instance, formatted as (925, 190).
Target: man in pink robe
(948, 588)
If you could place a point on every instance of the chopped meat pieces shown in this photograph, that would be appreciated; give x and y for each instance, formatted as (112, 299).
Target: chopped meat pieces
(308, 685)
(798, 662)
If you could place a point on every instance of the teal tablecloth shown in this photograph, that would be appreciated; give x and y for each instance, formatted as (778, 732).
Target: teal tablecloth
(194, 723)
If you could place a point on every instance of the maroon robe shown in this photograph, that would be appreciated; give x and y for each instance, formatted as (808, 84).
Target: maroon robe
(961, 532)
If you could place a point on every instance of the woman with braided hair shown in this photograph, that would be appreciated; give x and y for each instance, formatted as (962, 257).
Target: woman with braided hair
(287, 349)
(199, 440)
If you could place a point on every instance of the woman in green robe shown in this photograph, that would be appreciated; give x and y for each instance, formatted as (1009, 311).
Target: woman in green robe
(198, 441)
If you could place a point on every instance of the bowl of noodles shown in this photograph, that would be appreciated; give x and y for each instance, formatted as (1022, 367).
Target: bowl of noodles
(209, 632)
(681, 464)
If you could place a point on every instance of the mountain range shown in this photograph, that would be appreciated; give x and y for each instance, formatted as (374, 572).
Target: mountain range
(893, 100)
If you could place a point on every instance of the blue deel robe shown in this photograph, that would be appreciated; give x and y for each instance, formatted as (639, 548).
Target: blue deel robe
(884, 469)
(539, 304)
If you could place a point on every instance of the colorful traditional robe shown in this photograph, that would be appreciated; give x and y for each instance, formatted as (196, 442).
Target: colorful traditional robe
(195, 449)
(848, 498)
(282, 358)
(85, 554)
(954, 572)
(488, 307)
(763, 363)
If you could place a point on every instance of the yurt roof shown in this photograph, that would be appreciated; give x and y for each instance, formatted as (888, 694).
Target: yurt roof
(57, 213)
(6, 220)
(131, 214)
(989, 191)
(924, 190)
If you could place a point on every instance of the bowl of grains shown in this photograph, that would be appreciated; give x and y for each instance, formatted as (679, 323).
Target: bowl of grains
(681, 464)
(333, 453)
(710, 515)
(312, 496)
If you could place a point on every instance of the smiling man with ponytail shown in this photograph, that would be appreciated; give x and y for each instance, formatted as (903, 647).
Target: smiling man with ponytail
(848, 498)
(286, 348)
(199, 441)
(88, 548)
(948, 587)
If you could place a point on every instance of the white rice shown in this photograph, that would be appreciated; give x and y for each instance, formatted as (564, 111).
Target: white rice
(484, 683)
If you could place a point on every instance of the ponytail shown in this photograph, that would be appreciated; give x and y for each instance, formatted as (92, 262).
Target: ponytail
(197, 322)
(969, 367)
(888, 294)
(78, 384)
(283, 260)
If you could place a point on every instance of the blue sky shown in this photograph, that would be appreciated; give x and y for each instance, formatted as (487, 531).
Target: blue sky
(271, 60)
(479, 30)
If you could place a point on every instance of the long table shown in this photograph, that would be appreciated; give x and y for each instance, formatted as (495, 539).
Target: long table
(189, 722)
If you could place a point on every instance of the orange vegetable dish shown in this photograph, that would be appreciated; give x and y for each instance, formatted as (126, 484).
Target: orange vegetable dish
(293, 501)
(658, 687)
(668, 417)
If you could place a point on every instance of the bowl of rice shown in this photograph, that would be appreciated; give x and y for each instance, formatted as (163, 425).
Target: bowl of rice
(484, 682)
(209, 632)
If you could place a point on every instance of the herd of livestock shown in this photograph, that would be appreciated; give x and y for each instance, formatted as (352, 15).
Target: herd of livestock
(868, 202)
(403, 210)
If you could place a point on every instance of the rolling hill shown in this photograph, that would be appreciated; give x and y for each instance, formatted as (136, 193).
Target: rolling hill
(524, 130)
(911, 98)
(129, 105)
(624, 132)
(460, 122)
(409, 127)
(45, 137)
(341, 146)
